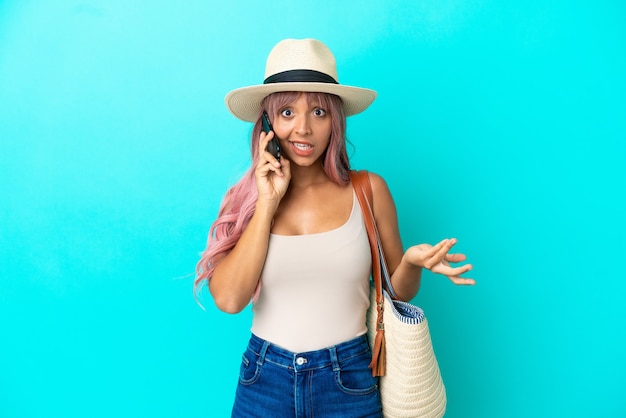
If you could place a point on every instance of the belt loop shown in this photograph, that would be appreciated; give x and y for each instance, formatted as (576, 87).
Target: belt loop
(333, 358)
(263, 352)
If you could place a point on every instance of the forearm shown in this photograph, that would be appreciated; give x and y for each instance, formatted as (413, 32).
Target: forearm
(236, 276)
(406, 280)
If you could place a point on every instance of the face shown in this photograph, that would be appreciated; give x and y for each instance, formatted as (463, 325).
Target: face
(304, 130)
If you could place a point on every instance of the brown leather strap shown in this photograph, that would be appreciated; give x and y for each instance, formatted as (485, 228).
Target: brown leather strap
(363, 190)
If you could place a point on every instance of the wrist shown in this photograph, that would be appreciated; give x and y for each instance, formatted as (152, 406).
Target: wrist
(265, 209)
(411, 265)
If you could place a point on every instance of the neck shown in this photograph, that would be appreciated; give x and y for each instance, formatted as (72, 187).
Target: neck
(307, 176)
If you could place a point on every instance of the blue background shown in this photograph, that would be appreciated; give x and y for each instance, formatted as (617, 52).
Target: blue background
(499, 123)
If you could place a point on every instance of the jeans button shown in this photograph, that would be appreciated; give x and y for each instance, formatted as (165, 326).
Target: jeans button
(300, 361)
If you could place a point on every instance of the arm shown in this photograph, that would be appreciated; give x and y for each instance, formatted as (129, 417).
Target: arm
(236, 276)
(406, 267)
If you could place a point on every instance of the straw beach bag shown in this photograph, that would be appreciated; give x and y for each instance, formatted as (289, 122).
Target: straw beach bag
(402, 352)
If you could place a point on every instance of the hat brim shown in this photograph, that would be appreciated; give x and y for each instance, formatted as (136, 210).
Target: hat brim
(245, 102)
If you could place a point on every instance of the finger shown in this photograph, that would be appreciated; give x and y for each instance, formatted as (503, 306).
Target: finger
(432, 250)
(455, 258)
(442, 249)
(273, 162)
(453, 271)
(265, 166)
(262, 169)
(264, 139)
(285, 167)
(264, 154)
(269, 167)
(266, 157)
(462, 281)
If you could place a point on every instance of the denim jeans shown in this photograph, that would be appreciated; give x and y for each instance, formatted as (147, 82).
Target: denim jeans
(332, 382)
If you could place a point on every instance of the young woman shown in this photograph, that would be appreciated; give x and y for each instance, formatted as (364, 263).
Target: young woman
(290, 237)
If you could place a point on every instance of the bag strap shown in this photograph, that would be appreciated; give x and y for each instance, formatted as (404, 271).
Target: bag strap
(363, 190)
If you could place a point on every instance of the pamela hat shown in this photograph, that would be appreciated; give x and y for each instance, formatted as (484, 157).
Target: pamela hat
(298, 65)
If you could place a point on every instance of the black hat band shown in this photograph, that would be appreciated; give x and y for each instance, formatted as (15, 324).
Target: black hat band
(300, 76)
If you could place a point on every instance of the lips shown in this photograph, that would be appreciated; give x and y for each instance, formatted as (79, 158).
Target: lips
(302, 149)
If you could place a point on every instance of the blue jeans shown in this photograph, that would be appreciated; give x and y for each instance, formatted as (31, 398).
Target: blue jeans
(332, 382)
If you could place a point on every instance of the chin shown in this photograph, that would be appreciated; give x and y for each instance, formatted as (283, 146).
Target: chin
(305, 162)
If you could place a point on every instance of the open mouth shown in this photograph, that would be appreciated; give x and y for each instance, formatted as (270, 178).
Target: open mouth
(302, 147)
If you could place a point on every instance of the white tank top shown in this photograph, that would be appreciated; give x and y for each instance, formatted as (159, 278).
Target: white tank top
(315, 287)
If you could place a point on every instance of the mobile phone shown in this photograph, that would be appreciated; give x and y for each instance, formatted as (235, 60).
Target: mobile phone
(273, 147)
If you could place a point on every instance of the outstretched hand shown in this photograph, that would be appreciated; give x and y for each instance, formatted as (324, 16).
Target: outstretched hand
(437, 259)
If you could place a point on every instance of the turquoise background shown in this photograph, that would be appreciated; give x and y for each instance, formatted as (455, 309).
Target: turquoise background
(499, 123)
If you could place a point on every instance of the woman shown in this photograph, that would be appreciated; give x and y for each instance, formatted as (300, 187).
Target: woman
(290, 237)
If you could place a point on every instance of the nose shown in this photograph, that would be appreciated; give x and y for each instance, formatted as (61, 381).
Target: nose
(303, 126)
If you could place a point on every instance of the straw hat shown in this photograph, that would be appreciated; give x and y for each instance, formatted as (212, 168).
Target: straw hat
(298, 65)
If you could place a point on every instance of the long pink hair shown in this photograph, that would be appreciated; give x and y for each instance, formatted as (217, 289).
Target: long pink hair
(239, 202)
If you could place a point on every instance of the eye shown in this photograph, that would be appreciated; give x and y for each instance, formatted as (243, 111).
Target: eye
(285, 112)
(319, 112)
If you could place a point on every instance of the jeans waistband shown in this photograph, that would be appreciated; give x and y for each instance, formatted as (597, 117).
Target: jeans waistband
(325, 357)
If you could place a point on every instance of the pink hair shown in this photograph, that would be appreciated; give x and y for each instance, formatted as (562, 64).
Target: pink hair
(239, 202)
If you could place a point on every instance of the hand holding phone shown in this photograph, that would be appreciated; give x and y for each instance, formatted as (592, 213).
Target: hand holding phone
(274, 146)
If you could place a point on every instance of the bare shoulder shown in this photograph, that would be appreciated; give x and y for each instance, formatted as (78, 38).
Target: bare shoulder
(386, 221)
(380, 190)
